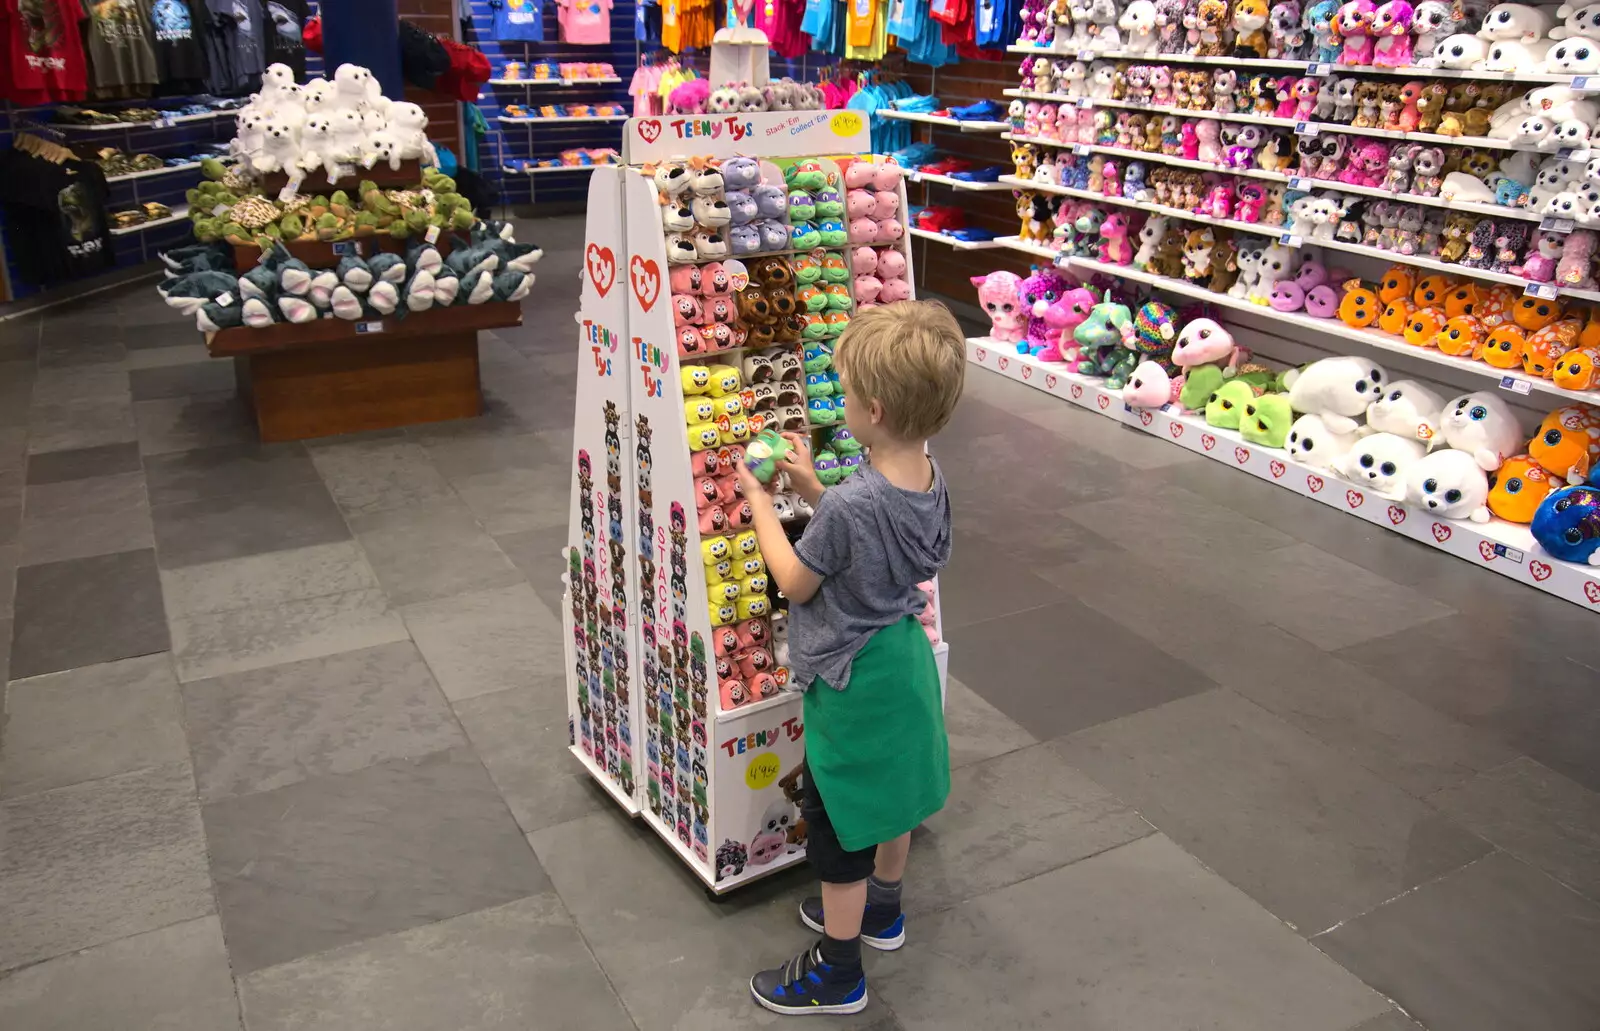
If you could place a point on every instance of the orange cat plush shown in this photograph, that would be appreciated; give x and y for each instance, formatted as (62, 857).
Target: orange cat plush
(1399, 281)
(1431, 290)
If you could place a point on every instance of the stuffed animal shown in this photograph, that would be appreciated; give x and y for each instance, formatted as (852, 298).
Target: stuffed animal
(1408, 409)
(1312, 442)
(1338, 389)
(1567, 524)
(1567, 443)
(1460, 51)
(1267, 420)
(1391, 26)
(1380, 463)
(1353, 23)
(1249, 24)
(1432, 21)
(1359, 306)
(1449, 484)
(1516, 22)
(1519, 487)
(1481, 425)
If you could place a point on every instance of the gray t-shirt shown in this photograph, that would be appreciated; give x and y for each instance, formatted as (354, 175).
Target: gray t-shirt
(871, 543)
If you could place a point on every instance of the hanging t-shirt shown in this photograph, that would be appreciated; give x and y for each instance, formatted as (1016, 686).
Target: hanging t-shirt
(906, 18)
(586, 21)
(240, 42)
(647, 22)
(60, 210)
(519, 20)
(121, 58)
(177, 31)
(43, 57)
(780, 20)
(281, 33)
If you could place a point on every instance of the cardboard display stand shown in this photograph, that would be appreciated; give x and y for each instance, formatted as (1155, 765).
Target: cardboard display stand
(721, 787)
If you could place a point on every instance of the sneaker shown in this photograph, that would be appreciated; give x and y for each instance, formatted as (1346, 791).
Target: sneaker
(806, 985)
(883, 935)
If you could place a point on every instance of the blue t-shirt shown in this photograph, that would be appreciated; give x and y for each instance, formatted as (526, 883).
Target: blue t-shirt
(521, 20)
(991, 23)
(906, 18)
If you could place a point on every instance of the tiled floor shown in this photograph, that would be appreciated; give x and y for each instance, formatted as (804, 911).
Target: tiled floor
(284, 740)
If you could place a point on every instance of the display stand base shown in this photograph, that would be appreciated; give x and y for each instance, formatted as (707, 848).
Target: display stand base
(331, 377)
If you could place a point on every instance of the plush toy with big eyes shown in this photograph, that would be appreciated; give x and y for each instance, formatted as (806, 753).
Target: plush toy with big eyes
(1407, 409)
(1504, 346)
(1567, 524)
(1483, 426)
(1359, 307)
(1396, 315)
(1423, 327)
(1266, 420)
(1519, 487)
(1431, 290)
(1576, 369)
(1449, 484)
(1398, 281)
(1461, 336)
(1227, 404)
(1379, 463)
(1567, 443)
(1312, 442)
(1535, 313)
(1338, 389)
(1546, 346)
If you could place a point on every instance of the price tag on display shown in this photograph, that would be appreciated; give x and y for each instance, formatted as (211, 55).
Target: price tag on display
(432, 235)
(347, 247)
(915, 176)
(1564, 153)
(1551, 224)
(762, 772)
(219, 211)
(1544, 290)
(1581, 82)
(1319, 68)
(291, 189)
(224, 299)
(1085, 102)
(1080, 149)
(1306, 128)
(1297, 183)
(1291, 240)
(369, 327)
(1086, 55)
(1516, 386)
(1508, 553)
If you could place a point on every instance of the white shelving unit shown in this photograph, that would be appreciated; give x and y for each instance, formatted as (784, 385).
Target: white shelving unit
(160, 123)
(166, 170)
(508, 170)
(952, 242)
(554, 82)
(562, 120)
(1501, 547)
(179, 214)
(970, 125)
(960, 184)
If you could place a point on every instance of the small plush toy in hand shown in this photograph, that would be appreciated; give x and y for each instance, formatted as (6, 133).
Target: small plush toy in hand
(762, 455)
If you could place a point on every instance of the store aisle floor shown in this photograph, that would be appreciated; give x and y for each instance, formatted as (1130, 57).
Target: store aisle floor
(284, 743)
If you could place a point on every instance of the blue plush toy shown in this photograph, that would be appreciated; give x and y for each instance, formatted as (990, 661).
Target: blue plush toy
(1508, 191)
(1567, 524)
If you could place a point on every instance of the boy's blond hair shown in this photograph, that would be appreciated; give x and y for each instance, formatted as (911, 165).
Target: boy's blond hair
(910, 356)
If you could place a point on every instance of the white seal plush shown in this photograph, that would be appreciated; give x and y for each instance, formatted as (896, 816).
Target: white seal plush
(1310, 441)
(1338, 389)
(1379, 463)
(1516, 21)
(1483, 426)
(1407, 409)
(1449, 483)
(280, 146)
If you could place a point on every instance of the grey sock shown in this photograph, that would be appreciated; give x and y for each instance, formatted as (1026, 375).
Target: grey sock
(884, 894)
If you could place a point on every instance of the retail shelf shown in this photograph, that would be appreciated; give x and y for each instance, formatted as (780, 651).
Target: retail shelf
(160, 123)
(950, 241)
(179, 214)
(1016, 243)
(1144, 205)
(510, 120)
(165, 170)
(965, 125)
(959, 184)
(1308, 67)
(1158, 158)
(554, 82)
(549, 168)
(1501, 547)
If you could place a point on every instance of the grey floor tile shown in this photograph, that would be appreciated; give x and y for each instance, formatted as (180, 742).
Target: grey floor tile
(1141, 936)
(236, 525)
(228, 469)
(1393, 1020)
(515, 500)
(994, 831)
(370, 476)
(8, 582)
(458, 457)
(352, 856)
(169, 979)
(87, 610)
(5, 649)
(985, 581)
(991, 471)
(1349, 605)
(432, 551)
(84, 724)
(274, 578)
(94, 496)
(83, 463)
(81, 383)
(203, 377)
(516, 966)
(1111, 673)
(16, 392)
(62, 538)
(1078, 428)
(977, 730)
(269, 728)
(64, 350)
(1537, 815)
(1507, 608)
(186, 423)
(1303, 830)
(209, 644)
(95, 862)
(175, 354)
(1151, 521)
(70, 425)
(1495, 945)
(521, 736)
(538, 553)
(10, 516)
(1513, 686)
(486, 641)
(13, 446)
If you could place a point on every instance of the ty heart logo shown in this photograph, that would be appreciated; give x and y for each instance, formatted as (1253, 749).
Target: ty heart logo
(1486, 550)
(1591, 590)
(1540, 570)
(1277, 468)
(602, 265)
(649, 130)
(1441, 532)
(1146, 417)
(1176, 429)
(1077, 390)
(983, 354)
(1005, 363)
(1104, 401)
(646, 277)
(1050, 381)
(1207, 441)
(1241, 455)
(1397, 515)
(1314, 483)
(1354, 498)
(1027, 372)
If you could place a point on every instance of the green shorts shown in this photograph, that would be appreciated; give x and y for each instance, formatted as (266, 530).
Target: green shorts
(877, 750)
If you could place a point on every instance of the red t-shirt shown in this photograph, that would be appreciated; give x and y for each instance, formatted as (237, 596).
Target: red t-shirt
(44, 52)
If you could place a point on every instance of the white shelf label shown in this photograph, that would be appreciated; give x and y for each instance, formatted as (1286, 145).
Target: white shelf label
(1516, 386)
(369, 327)
(1306, 128)
(291, 189)
(432, 235)
(344, 247)
(1291, 240)
(1080, 149)
(1085, 102)
(1297, 183)
(220, 210)
(1564, 153)
(1086, 55)
(224, 299)
(1581, 82)
(1319, 68)
(1544, 290)
(1508, 553)
(1551, 224)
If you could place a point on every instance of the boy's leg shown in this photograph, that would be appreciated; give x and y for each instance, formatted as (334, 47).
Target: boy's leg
(883, 890)
(880, 925)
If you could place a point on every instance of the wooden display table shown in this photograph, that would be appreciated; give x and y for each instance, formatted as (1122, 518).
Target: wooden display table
(331, 376)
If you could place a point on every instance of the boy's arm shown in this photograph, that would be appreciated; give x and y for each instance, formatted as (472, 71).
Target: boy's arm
(794, 578)
(802, 474)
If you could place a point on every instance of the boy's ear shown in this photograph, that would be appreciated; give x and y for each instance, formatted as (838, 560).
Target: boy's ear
(875, 411)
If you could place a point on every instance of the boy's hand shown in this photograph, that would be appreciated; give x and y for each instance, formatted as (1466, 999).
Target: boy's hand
(755, 492)
(797, 464)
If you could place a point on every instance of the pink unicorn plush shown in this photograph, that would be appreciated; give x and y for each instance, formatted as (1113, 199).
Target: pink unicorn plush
(1391, 25)
(1000, 296)
(1114, 246)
